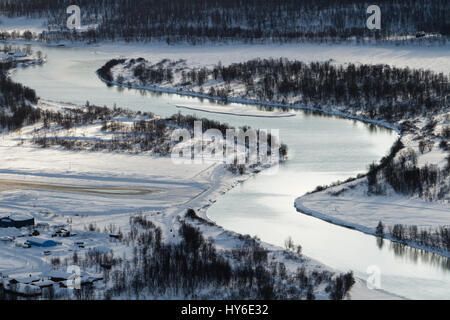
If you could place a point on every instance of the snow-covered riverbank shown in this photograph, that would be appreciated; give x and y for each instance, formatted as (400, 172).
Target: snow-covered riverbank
(168, 88)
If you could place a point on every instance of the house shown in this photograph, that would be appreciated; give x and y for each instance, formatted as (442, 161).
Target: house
(16, 221)
(65, 279)
(62, 233)
(43, 243)
(24, 280)
(58, 276)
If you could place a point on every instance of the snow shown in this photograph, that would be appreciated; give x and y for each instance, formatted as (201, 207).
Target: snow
(17, 216)
(57, 190)
(359, 291)
(434, 58)
(239, 111)
(355, 209)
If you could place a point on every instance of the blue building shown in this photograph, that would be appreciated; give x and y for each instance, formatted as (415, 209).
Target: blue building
(38, 242)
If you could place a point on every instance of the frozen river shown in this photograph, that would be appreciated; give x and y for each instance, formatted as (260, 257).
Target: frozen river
(322, 149)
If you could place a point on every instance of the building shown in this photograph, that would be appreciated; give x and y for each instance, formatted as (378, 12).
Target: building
(16, 221)
(43, 243)
(58, 276)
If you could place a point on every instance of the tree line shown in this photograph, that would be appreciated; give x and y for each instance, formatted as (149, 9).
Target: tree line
(377, 91)
(15, 100)
(197, 21)
(438, 237)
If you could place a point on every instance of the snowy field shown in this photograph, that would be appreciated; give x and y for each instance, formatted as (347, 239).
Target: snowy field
(355, 209)
(239, 111)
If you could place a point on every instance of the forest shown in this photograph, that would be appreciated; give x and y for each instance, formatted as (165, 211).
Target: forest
(15, 104)
(437, 238)
(197, 21)
(376, 91)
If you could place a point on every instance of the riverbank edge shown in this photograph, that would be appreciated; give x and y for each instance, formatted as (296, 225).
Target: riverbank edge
(328, 112)
(301, 208)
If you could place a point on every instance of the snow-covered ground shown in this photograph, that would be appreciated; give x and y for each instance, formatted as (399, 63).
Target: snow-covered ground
(355, 208)
(239, 111)
(432, 57)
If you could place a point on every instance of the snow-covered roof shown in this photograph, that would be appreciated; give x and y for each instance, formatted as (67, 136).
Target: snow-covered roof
(58, 274)
(25, 280)
(16, 216)
(43, 283)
